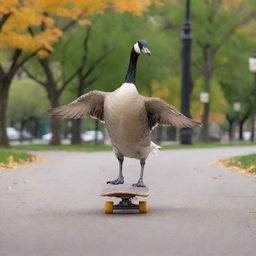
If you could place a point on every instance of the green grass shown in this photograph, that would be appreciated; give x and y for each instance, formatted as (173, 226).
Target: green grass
(18, 157)
(93, 148)
(209, 145)
(84, 148)
(247, 162)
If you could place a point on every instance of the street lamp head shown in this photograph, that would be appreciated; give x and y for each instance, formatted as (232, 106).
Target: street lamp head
(237, 106)
(252, 63)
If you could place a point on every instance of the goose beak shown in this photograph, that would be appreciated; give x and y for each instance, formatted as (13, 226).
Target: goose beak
(146, 51)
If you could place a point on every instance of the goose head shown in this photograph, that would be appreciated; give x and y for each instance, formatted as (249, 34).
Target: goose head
(141, 46)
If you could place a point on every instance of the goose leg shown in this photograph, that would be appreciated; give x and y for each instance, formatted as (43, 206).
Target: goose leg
(120, 179)
(140, 181)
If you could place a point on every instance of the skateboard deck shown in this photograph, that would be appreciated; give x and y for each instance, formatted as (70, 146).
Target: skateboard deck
(125, 192)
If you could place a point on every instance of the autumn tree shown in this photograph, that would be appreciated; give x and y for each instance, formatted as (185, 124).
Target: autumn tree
(73, 61)
(31, 28)
(27, 29)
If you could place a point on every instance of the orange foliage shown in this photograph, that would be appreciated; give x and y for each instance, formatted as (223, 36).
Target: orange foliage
(31, 25)
(134, 6)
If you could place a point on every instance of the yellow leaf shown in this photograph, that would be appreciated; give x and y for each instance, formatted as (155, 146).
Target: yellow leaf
(84, 22)
(42, 54)
(10, 159)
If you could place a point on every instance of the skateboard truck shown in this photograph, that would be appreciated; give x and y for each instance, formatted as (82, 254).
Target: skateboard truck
(125, 192)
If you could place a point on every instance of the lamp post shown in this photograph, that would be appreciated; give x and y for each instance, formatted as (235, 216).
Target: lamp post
(252, 67)
(186, 87)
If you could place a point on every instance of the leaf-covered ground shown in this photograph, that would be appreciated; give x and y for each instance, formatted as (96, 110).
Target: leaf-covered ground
(242, 164)
(12, 158)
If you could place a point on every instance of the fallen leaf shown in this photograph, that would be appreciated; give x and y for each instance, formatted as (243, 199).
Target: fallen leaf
(24, 202)
(217, 177)
(10, 159)
(252, 211)
(15, 182)
(25, 182)
(9, 187)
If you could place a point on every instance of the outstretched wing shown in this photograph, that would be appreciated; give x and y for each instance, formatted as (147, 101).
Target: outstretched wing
(160, 112)
(90, 104)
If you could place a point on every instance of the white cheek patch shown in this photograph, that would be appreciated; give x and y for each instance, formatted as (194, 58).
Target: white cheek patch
(137, 48)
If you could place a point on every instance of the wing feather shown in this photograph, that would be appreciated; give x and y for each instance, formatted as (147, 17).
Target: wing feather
(160, 112)
(89, 104)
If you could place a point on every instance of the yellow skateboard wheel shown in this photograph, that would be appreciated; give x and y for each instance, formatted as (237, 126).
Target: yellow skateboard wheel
(108, 207)
(143, 207)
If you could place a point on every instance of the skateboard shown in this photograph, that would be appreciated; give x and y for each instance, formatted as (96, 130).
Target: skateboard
(126, 192)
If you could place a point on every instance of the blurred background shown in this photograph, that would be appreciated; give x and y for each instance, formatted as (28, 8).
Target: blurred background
(54, 51)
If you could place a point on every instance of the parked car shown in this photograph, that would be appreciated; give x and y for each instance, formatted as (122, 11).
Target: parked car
(247, 135)
(26, 136)
(47, 136)
(89, 136)
(12, 133)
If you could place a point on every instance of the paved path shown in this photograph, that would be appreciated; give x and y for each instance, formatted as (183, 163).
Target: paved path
(59, 212)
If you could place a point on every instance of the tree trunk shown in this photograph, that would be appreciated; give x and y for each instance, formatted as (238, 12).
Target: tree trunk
(205, 130)
(241, 126)
(230, 131)
(55, 123)
(208, 60)
(76, 124)
(4, 91)
(22, 125)
(76, 131)
(241, 123)
(56, 128)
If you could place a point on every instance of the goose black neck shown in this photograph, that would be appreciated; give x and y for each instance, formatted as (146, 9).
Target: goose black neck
(131, 72)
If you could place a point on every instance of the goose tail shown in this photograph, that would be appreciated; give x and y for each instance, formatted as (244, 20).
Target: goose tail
(154, 149)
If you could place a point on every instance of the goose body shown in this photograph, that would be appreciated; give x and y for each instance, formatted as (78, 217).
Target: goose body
(129, 116)
(126, 121)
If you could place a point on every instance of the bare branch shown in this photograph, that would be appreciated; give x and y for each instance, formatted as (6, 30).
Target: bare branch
(68, 25)
(97, 62)
(86, 39)
(71, 23)
(26, 58)
(83, 61)
(1, 70)
(65, 83)
(31, 32)
(87, 84)
(33, 77)
(15, 57)
(220, 66)
(4, 19)
(234, 28)
(47, 70)
(198, 67)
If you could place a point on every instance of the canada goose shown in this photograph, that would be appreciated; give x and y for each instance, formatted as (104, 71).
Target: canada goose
(129, 117)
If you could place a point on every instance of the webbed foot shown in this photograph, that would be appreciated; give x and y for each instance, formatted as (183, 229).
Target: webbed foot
(117, 181)
(139, 184)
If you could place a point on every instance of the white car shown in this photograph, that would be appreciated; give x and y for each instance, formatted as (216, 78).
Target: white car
(12, 133)
(89, 136)
(47, 136)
